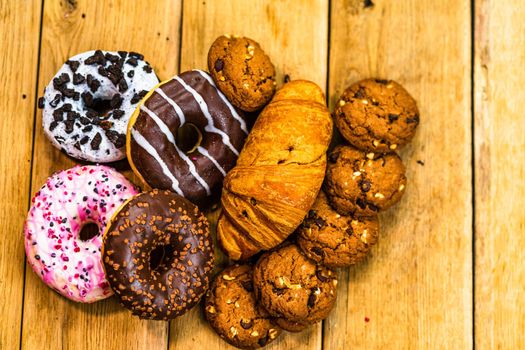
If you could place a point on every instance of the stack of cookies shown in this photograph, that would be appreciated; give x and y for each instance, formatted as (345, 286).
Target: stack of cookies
(294, 285)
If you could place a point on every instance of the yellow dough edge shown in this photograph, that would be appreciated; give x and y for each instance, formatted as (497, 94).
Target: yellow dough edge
(132, 122)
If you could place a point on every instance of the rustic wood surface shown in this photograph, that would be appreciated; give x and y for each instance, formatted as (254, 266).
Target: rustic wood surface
(448, 270)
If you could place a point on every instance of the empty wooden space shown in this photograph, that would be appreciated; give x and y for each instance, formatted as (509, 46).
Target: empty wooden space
(448, 271)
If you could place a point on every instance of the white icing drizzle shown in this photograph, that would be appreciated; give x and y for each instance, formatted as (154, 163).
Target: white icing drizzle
(166, 131)
(142, 142)
(175, 106)
(205, 153)
(210, 127)
(235, 115)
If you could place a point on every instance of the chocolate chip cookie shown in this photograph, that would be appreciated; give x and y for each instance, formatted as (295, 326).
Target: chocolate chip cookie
(291, 286)
(233, 312)
(377, 115)
(362, 184)
(242, 71)
(336, 240)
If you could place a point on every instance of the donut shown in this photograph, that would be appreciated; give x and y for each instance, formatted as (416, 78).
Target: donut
(71, 202)
(188, 103)
(158, 255)
(88, 103)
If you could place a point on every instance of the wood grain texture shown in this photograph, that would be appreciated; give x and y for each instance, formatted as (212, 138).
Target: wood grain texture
(70, 27)
(20, 24)
(499, 174)
(415, 291)
(294, 35)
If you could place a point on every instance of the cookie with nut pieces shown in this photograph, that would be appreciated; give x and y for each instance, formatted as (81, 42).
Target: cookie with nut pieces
(291, 286)
(362, 184)
(336, 240)
(233, 311)
(242, 71)
(377, 115)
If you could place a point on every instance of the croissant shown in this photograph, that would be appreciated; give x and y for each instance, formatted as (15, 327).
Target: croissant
(278, 173)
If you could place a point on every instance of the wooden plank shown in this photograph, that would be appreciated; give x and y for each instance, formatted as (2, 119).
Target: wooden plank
(294, 34)
(499, 173)
(20, 26)
(415, 291)
(70, 27)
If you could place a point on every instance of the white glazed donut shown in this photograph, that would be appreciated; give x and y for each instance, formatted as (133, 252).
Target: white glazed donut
(88, 103)
(68, 201)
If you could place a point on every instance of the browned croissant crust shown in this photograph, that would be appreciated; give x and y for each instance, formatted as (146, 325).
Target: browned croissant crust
(279, 172)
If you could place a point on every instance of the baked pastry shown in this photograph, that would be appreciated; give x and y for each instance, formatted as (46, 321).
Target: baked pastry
(335, 240)
(64, 225)
(88, 103)
(362, 184)
(242, 71)
(160, 148)
(158, 255)
(293, 287)
(234, 313)
(279, 172)
(377, 115)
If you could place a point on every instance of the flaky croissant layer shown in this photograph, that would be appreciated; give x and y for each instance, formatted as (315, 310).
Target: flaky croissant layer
(279, 172)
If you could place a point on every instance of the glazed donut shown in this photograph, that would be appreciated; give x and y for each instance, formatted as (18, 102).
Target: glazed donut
(88, 103)
(54, 245)
(153, 147)
(158, 255)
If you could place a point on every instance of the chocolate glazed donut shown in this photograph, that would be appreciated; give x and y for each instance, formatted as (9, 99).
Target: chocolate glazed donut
(153, 142)
(158, 255)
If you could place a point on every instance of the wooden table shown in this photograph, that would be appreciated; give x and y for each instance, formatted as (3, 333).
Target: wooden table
(449, 269)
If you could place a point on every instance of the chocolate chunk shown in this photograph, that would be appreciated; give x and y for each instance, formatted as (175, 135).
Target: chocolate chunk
(147, 69)
(91, 114)
(392, 117)
(320, 276)
(58, 115)
(138, 96)
(246, 324)
(77, 145)
(93, 83)
(219, 65)
(116, 101)
(132, 61)
(66, 107)
(69, 126)
(55, 101)
(111, 58)
(278, 291)
(131, 73)
(263, 341)
(382, 81)
(122, 54)
(78, 79)
(118, 113)
(368, 3)
(106, 124)
(415, 119)
(248, 285)
(72, 115)
(59, 81)
(97, 58)
(360, 93)
(113, 73)
(41, 102)
(311, 299)
(87, 98)
(317, 251)
(122, 85)
(119, 140)
(136, 55)
(95, 143)
(53, 125)
(320, 222)
(59, 139)
(373, 207)
(365, 185)
(69, 93)
(84, 140)
(312, 214)
(73, 65)
(87, 128)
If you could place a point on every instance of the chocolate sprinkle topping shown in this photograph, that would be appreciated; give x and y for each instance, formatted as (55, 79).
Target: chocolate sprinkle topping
(73, 65)
(95, 143)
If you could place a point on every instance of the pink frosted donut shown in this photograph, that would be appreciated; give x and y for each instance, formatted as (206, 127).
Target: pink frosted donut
(68, 201)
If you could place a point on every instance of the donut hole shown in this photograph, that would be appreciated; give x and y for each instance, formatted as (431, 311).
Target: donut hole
(160, 257)
(88, 231)
(189, 137)
(101, 106)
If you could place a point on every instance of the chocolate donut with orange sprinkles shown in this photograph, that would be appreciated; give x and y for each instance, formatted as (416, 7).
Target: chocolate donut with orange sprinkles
(157, 253)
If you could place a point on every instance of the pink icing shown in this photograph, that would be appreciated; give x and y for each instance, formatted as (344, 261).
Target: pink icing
(68, 200)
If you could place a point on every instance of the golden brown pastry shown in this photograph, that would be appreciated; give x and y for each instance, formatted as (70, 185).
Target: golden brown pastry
(279, 172)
